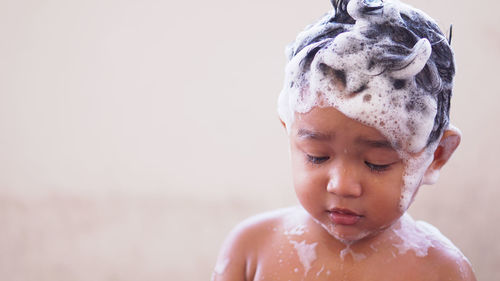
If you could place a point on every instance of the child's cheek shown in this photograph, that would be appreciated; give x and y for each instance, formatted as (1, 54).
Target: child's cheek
(414, 171)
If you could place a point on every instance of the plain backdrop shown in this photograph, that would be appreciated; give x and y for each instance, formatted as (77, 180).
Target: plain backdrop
(135, 134)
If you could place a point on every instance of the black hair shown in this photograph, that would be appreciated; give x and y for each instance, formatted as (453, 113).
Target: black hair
(437, 75)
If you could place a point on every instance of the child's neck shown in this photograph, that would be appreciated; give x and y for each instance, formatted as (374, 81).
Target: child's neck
(365, 247)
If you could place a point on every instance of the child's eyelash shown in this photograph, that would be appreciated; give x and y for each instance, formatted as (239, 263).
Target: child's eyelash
(373, 167)
(317, 160)
(377, 168)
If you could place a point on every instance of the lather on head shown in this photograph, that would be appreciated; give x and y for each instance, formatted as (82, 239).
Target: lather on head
(383, 63)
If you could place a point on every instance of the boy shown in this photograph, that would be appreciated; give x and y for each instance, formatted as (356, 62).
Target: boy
(366, 104)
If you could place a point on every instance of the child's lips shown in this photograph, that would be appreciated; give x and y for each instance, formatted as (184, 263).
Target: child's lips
(343, 216)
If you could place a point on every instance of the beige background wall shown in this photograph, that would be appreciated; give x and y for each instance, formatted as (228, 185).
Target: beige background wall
(135, 134)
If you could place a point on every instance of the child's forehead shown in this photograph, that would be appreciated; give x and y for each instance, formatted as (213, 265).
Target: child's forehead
(325, 123)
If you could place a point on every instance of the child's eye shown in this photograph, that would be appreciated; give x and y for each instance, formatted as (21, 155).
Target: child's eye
(317, 160)
(377, 168)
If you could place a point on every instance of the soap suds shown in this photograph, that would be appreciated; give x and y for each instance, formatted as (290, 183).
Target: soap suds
(297, 230)
(415, 168)
(306, 253)
(420, 236)
(349, 57)
(320, 271)
(294, 225)
(330, 228)
(347, 250)
(412, 237)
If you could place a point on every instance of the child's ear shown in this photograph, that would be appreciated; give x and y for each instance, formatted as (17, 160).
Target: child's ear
(447, 145)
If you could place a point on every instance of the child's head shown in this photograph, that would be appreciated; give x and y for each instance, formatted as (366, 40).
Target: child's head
(375, 61)
(384, 66)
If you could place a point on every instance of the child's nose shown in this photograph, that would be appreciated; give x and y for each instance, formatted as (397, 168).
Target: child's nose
(344, 182)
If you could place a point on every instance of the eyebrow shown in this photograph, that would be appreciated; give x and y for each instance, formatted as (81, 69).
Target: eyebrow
(307, 134)
(374, 143)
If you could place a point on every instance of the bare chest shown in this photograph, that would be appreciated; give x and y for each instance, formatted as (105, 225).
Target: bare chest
(302, 261)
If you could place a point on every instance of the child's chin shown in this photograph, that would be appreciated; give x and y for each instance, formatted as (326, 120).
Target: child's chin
(346, 235)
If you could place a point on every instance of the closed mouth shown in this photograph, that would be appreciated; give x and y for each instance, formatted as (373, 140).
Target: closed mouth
(344, 212)
(341, 216)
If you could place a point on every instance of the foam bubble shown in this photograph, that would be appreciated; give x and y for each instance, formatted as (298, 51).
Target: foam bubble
(330, 228)
(420, 236)
(343, 75)
(416, 166)
(306, 253)
(320, 271)
(296, 230)
(356, 256)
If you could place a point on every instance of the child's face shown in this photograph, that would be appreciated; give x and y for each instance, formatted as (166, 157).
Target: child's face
(346, 174)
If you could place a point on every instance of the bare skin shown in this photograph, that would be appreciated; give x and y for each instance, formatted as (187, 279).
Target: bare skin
(262, 248)
(348, 181)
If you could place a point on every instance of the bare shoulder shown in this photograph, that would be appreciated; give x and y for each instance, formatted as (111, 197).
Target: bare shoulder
(250, 232)
(238, 256)
(447, 260)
